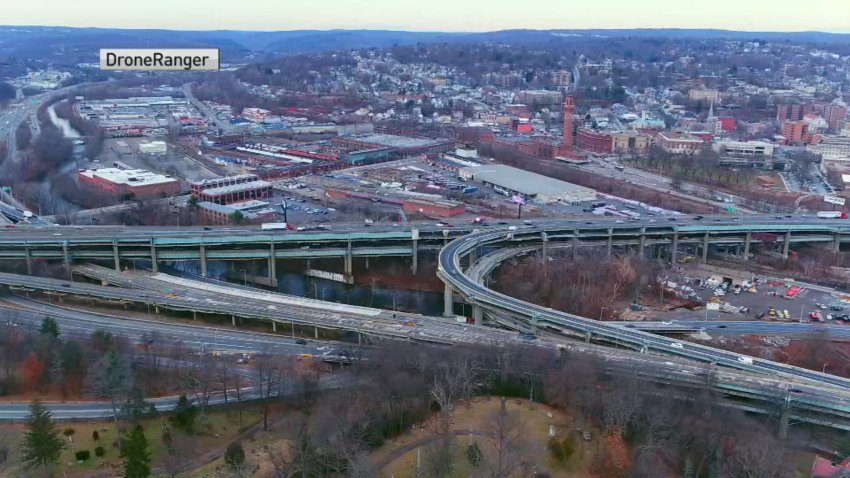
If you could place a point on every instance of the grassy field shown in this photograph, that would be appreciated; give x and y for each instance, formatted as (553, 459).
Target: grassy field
(472, 424)
(220, 427)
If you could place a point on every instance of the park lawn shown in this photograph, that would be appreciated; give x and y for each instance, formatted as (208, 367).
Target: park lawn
(222, 427)
(470, 422)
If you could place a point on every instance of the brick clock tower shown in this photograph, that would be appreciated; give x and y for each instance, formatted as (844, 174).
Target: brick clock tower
(569, 109)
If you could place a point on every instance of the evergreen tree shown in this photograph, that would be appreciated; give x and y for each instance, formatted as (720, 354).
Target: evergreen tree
(137, 456)
(184, 414)
(42, 444)
(49, 326)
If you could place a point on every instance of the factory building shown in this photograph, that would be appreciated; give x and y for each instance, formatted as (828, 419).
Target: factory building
(433, 207)
(138, 183)
(252, 211)
(231, 189)
(511, 181)
(401, 146)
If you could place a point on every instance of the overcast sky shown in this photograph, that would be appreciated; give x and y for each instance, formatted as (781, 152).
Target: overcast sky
(432, 15)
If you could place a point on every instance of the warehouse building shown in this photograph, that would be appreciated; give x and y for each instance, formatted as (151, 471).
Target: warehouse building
(251, 212)
(511, 181)
(136, 183)
(231, 189)
(433, 207)
(401, 146)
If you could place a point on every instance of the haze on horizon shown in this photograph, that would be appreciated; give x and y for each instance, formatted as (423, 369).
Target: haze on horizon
(431, 15)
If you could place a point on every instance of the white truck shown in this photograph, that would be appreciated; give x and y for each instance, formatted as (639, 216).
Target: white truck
(275, 226)
(832, 215)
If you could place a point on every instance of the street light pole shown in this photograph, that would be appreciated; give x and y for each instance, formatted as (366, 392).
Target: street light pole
(284, 207)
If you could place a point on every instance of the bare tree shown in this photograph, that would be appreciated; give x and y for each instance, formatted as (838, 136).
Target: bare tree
(508, 439)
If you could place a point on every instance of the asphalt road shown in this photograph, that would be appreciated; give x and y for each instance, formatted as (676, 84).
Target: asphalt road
(29, 313)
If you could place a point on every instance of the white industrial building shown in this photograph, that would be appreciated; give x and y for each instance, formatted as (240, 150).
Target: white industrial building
(511, 181)
(157, 148)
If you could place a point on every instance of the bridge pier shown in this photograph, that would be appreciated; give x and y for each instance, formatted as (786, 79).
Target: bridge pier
(786, 243)
(348, 260)
(448, 305)
(274, 325)
(67, 258)
(203, 260)
(836, 243)
(705, 248)
(115, 254)
(477, 314)
(674, 248)
(575, 244)
(414, 264)
(29, 260)
(544, 251)
(272, 266)
(747, 242)
(610, 241)
(154, 266)
(784, 418)
(642, 243)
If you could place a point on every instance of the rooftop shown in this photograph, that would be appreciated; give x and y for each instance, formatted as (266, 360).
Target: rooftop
(394, 141)
(233, 188)
(132, 177)
(522, 181)
(224, 180)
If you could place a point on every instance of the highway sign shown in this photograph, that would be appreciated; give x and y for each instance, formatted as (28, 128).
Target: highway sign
(834, 200)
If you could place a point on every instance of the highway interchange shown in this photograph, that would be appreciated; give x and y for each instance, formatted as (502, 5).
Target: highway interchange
(225, 300)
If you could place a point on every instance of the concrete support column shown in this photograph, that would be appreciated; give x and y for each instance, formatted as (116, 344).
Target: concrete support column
(747, 241)
(448, 305)
(705, 248)
(545, 250)
(154, 266)
(414, 264)
(477, 314)
(67, 256)
(783, 421)
(115, 255)
(233, 320)
(316, 332)
(587, 337)
(786, 244)
(348, 260)
(272, 264)
(610, 241)
(203, 260)
(575, 244)
(274, 326)
(674, 248)
(642, 243)
(29, 260)
(836, 243)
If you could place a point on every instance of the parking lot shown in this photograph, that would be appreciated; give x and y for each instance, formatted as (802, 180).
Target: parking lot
(758, 300)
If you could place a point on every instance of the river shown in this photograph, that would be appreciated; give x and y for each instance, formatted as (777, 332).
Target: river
(64, 125)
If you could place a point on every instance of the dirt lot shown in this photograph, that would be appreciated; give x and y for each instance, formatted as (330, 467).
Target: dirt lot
(126, 151)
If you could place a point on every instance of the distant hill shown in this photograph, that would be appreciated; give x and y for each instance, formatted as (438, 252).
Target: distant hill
(64, 45)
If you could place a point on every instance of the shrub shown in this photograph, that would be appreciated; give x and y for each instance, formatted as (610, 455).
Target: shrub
(95, 435)
(473, 454)
(99, 451)
(82, 455)
(234, 456)
(562, 450)
(68, 432)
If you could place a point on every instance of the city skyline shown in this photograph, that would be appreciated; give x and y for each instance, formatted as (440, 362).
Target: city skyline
(436, 15)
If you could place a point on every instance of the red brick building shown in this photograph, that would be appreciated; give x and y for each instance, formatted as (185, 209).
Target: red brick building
(138, 183)
(433, 207)
(594, 141)
(795, 132)
(231, 189)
